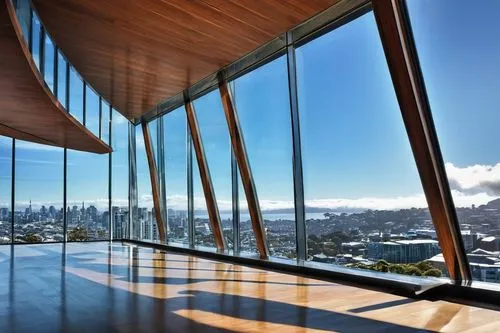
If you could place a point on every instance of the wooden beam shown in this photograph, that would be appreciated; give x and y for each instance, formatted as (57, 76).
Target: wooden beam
(153, 174)
(206, 180)
(245, 172)
(397, 40)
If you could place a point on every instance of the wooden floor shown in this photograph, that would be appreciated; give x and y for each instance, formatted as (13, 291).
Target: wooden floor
(101, 287)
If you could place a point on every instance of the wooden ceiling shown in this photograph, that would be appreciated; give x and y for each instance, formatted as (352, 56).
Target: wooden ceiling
(28, 110)
(136, 53)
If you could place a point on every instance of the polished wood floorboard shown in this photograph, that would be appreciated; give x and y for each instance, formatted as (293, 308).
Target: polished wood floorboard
(102, 287)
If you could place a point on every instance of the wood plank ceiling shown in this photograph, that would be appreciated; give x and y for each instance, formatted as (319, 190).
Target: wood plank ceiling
(138, 53)
(28, 110)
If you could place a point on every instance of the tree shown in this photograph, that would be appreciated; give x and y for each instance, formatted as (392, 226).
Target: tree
(423, 268)
(30, 238)
(433, 272)
(78, 234)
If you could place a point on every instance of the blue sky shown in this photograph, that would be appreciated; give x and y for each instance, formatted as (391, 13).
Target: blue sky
(355, 149)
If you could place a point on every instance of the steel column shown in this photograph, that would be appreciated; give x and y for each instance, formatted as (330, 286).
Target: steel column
(13, 191)
(206, 180)
(110, 174)
(65, 163)
(298, 179)
(100, 117)
(132, 173)
(238, 146)
(153, 175)
(65, 190)
(56, 74)
(84, 99)
(236, 204)
(190, 190)
(397, 40)
(161, 173)
(41, 51)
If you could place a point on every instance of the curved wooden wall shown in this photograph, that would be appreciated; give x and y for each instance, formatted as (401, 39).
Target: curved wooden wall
(28, 110)
(138, 53)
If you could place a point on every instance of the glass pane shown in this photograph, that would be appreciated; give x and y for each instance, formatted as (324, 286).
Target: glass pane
(61, 79)
(49, 63)
(175, 155)
(39, 193)
(5, 189)
(365, 206)
(145, 226)
(216, 142)
(105, 121)
(23, 14)
(75, 95)
(35, 42)
(462, 74)
(262, 102)
(92, 110)
(119, 172)
(87, 196)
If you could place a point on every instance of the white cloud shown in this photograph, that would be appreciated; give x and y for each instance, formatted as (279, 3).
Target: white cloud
(475, 179)
(387, 203)
(467, 200)
(35, 146)
(119, 119)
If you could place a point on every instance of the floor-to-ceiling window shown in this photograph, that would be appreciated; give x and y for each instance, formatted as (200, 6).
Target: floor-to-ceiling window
(364, 202)
(175, 155)
(87, 210)
(216, 142)
(120, 176)
(460, 65)
(263, 107)
(5, 189)
(38, 210)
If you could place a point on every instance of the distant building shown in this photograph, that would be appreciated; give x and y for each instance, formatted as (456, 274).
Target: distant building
(484, 265)
(323, 258)
(354, 248)
(403, 251)
(490, 243)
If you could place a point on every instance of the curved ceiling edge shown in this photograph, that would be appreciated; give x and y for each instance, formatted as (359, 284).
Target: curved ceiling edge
(28, 110)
